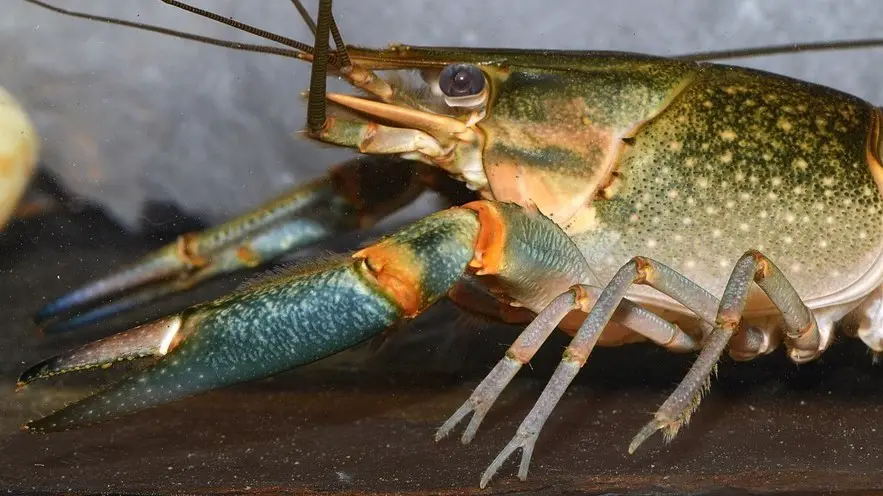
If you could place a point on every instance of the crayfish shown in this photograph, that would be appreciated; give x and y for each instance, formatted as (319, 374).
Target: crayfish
(617, 197)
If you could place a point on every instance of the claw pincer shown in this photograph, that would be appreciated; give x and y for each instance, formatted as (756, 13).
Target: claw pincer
(279, 322)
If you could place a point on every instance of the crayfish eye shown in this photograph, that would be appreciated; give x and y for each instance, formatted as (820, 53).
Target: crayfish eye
(462, 85)
(458, 80)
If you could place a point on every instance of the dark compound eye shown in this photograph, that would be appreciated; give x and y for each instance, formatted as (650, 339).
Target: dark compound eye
(458, 80)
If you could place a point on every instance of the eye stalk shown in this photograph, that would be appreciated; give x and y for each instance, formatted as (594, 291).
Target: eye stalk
(463, 85)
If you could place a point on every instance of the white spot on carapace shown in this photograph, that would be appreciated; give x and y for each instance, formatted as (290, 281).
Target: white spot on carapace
(728, 135)
(828, 181)
(651, 243)
(829, 219)
(799, 164)
(702, 182)
(690, 264)
(673, 194)
(730, 204)
(666, 170)
(633, 218)
(710, 210)
(776, 181)
(790, 218)
(795, 267)
(788, 240)
(753, 179)
(772, 196)
(723, 262)
(823, 243)
(862, 234)
(727, 157)
(686, 221)
(785, 125)
(690, 162)
(740, 176)
(691, 201)
(744, 196)
(716, 233)
(675, 146)
(679, 238)
(763, 214)
(743, 226)
(798, 190)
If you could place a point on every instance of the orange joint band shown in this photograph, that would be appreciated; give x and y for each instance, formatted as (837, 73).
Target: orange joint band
(395, 269)
(186, 247)
(488, 254)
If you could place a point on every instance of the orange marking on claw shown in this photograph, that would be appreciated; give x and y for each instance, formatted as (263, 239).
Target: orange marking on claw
(396, 270)
(488, 254)
(186, 249)
(248, 256)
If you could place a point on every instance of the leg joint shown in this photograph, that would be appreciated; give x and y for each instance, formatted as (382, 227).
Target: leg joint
(643, 270)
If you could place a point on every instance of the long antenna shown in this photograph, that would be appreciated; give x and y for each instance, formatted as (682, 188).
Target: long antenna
(316, 104)
(305, 15)
(820, 46)
(697, 56)
(235, 45)
(335, 32)
(248, 28)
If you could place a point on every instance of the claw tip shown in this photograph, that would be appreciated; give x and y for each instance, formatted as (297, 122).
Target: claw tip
(648, 430)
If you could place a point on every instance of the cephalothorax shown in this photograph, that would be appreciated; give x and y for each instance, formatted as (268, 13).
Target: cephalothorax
(619, 197)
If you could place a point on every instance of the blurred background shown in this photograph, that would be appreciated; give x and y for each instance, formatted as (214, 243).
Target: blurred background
(153, 136)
